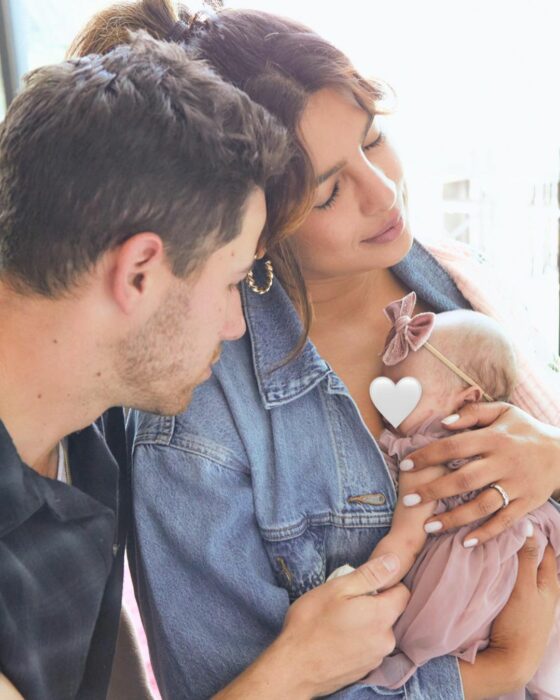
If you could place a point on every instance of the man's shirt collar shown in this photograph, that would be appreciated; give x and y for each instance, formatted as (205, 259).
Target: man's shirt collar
(24, 491)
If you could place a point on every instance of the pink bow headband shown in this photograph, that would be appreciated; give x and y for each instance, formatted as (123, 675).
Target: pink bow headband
(411, 333)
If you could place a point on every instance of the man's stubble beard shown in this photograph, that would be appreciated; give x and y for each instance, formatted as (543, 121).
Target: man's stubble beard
(151, 379)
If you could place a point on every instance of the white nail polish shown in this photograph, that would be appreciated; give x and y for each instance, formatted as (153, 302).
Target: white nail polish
(528, 529)
(406, 465)
(470, 543)
(413, 499)
(433, 527)
(453, 418)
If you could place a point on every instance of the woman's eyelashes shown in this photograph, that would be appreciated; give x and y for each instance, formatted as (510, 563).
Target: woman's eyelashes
(377, 142)
(331, 200)
(336, 189)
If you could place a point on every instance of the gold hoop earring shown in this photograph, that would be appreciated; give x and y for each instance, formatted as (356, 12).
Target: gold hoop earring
(269, 279)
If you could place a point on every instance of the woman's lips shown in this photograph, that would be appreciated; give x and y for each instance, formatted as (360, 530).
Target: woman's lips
(388, 234)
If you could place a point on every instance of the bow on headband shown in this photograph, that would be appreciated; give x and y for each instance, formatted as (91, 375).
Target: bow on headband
(408, 332)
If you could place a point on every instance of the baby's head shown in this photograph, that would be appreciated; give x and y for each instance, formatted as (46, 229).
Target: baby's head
(473, 342)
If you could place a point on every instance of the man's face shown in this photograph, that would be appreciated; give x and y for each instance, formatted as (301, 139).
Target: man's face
(163, 363)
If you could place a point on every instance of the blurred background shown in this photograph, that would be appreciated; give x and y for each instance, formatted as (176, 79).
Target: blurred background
(477, 115)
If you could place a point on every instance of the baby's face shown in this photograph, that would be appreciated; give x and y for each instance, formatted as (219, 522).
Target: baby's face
(436, 399)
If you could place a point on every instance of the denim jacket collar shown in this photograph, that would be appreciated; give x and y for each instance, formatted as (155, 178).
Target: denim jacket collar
(274, 327)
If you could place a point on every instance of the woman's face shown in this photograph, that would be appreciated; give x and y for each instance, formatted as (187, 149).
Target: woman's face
(358, 222)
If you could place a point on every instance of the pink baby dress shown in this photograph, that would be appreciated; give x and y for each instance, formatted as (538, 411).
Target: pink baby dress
(456, 592)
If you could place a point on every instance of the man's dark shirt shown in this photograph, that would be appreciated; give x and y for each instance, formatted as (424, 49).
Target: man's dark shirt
(61, 564)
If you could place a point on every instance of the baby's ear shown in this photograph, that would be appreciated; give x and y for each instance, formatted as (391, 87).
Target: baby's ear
(473, 394)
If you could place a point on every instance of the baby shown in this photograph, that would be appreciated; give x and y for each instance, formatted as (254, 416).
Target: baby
(457, 589)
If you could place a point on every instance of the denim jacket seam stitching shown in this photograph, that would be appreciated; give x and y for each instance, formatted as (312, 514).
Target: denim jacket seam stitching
(211, 455)
(278, 396)
(340, 462)
(348, 520)
(199, 450)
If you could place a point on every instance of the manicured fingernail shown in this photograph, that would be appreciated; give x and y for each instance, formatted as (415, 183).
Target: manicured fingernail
(528, 529)
(390, 562)
(451, 419)
(433, 527)
(413, 499)
(470, 543)
(406, 465)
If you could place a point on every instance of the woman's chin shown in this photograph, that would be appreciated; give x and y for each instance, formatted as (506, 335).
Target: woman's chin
(390, 254)
(402, 245)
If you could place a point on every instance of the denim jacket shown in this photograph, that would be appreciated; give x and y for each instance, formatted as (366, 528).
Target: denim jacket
(266, 484)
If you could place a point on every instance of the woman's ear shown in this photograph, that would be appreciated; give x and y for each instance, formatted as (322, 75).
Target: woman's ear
(261, 250)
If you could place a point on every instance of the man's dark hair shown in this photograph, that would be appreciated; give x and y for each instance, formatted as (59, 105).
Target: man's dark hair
(97, 149)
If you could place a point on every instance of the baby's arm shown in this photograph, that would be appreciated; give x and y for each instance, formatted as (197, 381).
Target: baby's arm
(406, 536)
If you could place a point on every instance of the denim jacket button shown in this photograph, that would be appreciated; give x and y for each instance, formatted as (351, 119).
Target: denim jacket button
(372, 499)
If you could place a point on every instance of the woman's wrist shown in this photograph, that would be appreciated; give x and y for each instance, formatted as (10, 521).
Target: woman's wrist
(491, 675)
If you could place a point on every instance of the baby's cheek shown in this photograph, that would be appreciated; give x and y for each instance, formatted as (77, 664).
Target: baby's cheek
(425, 407)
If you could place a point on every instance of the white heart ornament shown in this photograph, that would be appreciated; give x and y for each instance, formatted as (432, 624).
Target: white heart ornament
(395, 402)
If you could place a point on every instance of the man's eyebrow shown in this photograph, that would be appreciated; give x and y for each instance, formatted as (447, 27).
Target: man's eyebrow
(332, 171)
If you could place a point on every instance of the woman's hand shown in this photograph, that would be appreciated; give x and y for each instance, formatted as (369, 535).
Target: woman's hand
(518, 452)
(520, 632)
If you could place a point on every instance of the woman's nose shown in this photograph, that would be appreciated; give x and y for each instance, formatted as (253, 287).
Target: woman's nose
(377, 191)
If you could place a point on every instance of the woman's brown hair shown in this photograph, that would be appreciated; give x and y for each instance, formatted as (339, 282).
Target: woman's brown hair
(279, 63)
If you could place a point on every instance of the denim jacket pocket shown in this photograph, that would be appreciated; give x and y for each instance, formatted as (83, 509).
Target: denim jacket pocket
(299, 562)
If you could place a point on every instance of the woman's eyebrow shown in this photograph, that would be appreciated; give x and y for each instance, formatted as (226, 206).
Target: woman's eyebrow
(331, 171)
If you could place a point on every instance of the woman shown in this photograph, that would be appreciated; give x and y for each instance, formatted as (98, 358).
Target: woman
(273, 478)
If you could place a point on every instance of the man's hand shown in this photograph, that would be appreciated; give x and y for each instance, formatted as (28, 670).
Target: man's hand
(332, 636)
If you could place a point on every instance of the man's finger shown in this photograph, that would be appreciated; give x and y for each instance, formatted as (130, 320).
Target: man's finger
(394, 601)
(470, 477)
(369, 577)
(475, 415)
(462, 446)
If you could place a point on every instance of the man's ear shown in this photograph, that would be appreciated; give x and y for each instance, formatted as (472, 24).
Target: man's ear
(134, 269)
(473, 394)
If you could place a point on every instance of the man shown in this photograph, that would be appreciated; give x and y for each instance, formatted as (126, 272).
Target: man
(131, 206)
